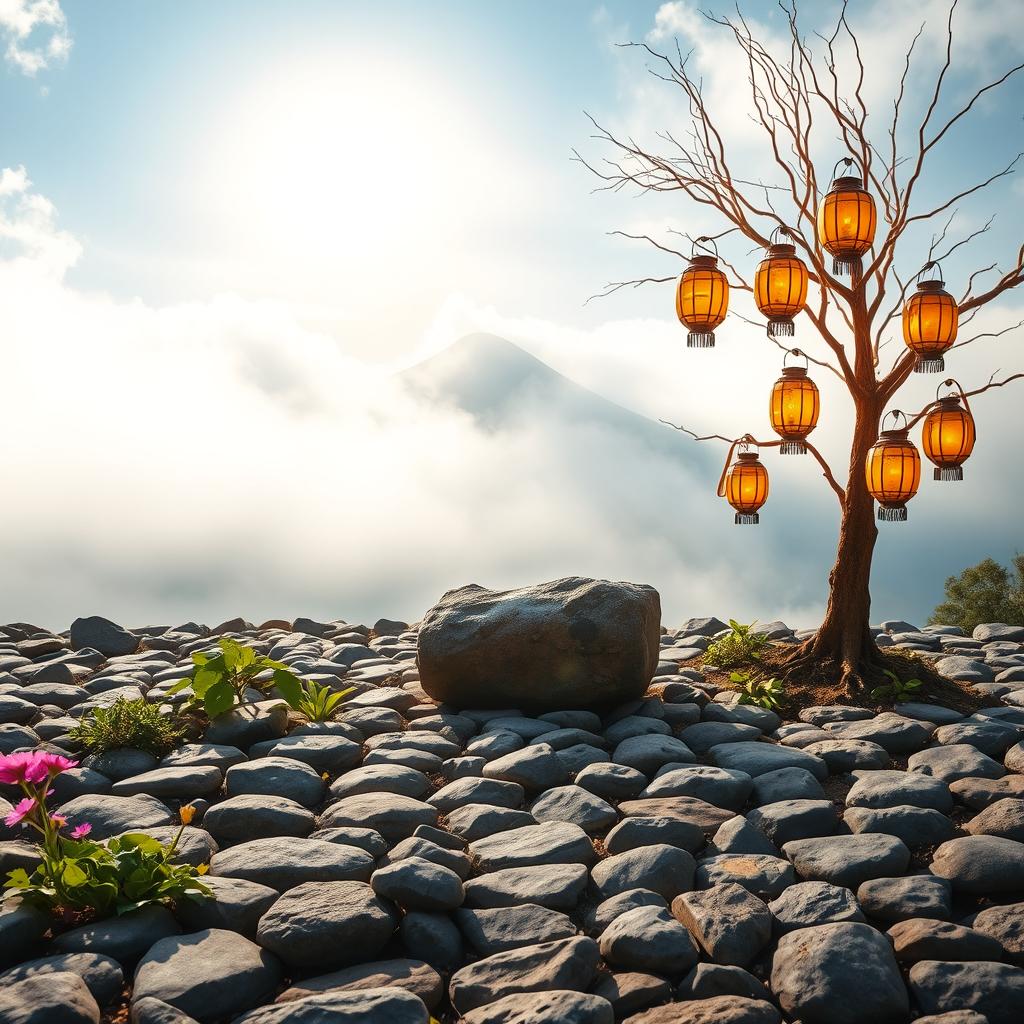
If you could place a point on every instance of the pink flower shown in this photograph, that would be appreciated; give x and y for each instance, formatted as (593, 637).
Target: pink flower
(14, 768)
(59, 820)
(22, 810)
(52, 764)
(81, 831)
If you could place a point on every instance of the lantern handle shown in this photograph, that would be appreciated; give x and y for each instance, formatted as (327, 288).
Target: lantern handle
(743, 443)
(929, 266)
(781, 230)
(799, 353)
(701, 242)
(847, 161)
(896, 413)
(950, 382)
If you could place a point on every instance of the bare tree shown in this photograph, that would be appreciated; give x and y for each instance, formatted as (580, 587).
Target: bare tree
(796, 96)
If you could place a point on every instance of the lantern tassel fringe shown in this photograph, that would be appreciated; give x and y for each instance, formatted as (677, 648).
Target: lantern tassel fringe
(930, 364)
(747, 519)
(949, 473)
(780, 329)
(696, 339)
(895, 514)
(792, 448)
(848, 266)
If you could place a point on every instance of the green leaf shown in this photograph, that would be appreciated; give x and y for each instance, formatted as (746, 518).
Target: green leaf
(289, 687)
(180, 685)
(205, 678)
(219, 698)
(231, 652)
(18, 879)
(72, 875)
(199, 658)
(142, 842)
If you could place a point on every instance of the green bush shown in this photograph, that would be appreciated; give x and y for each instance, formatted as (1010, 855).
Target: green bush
(128, 723)
(319, 703)
(765, 693)
(896, 689)
(986, 592)
(739, 646)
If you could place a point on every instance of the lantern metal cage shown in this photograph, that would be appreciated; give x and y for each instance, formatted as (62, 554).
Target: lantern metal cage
(893, 470)
(702, 295)
(948, 433)
(745, 487)
(780, 286)
(846, 222)
(930, 322)
(794, 406)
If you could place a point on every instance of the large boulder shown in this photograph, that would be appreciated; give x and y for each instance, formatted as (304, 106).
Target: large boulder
(571, 643)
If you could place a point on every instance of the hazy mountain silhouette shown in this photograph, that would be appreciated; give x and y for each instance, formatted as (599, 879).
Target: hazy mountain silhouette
(499, 384)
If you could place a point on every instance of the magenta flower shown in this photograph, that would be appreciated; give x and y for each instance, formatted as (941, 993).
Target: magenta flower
(14, 768)
(22, 810)
(81, 831)
(52, 764)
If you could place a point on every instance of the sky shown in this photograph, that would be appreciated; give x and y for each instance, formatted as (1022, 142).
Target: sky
(226, 229)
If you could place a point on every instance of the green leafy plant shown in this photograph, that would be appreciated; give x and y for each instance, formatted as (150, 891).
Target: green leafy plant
(319, 703)
(77, 875)
(986, 592)
(765, 693)
(740, 646)
(896, 689)
(128, 723)
(219, 681)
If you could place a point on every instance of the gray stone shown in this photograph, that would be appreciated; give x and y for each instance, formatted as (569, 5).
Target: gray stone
(919, 939)
(716, 1010)
(331, 754)
(994, 990)
(718, 786)
(320, 926)
(763, 875)
(848, 860)
(989, 631)
(684, 808)
(737, 835)
(415, 846)
(610, 910)
(981, 865)
(22, 927)
(478, 821)
(498, 930)
(557, 1007)
(756, 758)
(155, 1011)
(632, 833)
(706, 981)
(702, 736)
(381, 778)
(649, 939)
(969, 670)
(898, 899)
(194, 755)
(899, 789)
(896, 734)
(612, 781)
(121, 763)
(242, 818)
(785, 784)
(648, 753)
(265, 720)
(480, 646)
(412, 976)
(848, 755)
(812, 903)
(100, 634)
(557, 886)
(237, 906)
(275, 776)
(432, 938)
(915, 826)
(368, 1006)
(171, 783)
(787, 820)
(1003, 818)
(535, 768)
(552, 843)
(564, 964)
(393, 816)
(663, 869)
(575, 805)
(838, 974)
(495, 792)
(102, 976)
(989, 735)
(955, 761)
(283, 863)
(417, 884)
(47, 999)
(125, 938)
(1005, 924)
(731, 925)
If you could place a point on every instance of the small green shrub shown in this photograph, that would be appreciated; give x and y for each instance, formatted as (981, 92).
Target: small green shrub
(765, 693)
(896, 690)
(319, 703)
(219, 681)
(128, 723)
(739, 646)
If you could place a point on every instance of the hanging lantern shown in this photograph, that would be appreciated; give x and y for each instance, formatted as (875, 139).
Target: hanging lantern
(794, 406)
(745, 485)
(780, 287)
(893, 471)
(846, 223)
(702, 297)
(948, 434)
(930, 319)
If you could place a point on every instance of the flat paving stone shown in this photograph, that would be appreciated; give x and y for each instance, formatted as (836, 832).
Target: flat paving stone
(848, 860)
(283, 863)
(550, 843)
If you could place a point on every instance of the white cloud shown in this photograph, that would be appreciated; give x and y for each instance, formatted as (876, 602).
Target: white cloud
(36, 32)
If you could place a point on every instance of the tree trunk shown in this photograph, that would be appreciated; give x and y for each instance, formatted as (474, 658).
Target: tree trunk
(845, 640)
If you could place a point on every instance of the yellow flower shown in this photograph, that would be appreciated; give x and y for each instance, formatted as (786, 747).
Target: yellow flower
(202, 869)
(187, 813)
(325, 776)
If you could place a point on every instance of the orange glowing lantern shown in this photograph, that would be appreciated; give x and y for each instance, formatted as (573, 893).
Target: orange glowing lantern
(702, 297)
(780, 287)
(745, 486)
(793, 407)
(930, 320)
(948, 434)
(846, 222)
(893, 470)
